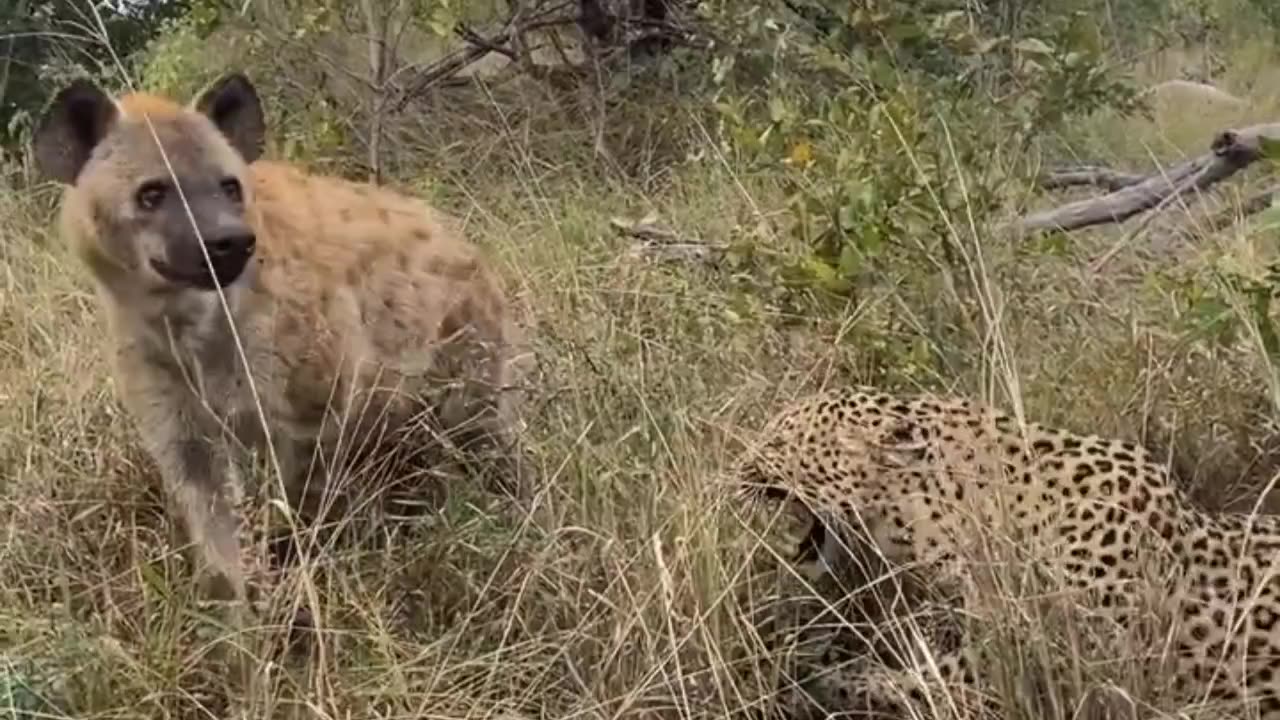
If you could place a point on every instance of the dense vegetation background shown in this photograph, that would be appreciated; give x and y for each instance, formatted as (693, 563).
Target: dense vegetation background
(703, 209)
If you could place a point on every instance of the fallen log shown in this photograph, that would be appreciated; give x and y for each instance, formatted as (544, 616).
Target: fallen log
(1088, 175)
(1230, 152)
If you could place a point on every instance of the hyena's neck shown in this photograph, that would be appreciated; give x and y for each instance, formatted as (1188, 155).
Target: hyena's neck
(187, 322)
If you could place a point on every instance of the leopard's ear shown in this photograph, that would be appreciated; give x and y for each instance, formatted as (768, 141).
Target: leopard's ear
(77, 119)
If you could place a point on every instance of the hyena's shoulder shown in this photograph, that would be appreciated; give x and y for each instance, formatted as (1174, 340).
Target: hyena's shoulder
(348, 229)
(370, 262)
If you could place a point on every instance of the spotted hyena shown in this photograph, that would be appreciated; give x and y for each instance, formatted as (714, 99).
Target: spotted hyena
(243, 294)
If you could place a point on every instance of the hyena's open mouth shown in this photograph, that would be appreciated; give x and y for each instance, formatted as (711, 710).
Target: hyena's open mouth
(221, 270)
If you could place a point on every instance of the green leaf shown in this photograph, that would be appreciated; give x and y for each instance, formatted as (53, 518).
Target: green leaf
(826, 277)
(988, 45)
(1269, 220)
(950, 21)
(19, 698)
(1212, 317)
(777, 110)
(720, 67)
(729, 112)
(1270, 147)
(850, 261)
(883, 74)
(1084, 36)
(848, 216)
(152, 580)
(871, 241)
(1054, 243)
(1266, 329)
(1033, 46)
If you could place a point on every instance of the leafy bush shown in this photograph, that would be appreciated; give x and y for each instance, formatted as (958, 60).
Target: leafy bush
(192, 51)
(897, 122)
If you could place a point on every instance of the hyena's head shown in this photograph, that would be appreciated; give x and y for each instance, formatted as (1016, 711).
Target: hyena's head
(155, 188)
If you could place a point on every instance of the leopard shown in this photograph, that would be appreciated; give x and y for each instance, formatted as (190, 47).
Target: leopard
(918, 481)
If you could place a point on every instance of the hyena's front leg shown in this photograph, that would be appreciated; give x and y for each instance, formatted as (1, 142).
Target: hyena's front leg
(199, 481)
(197, 471)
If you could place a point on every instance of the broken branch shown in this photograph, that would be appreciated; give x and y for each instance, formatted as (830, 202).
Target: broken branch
(1089, 175)
(1230, 152)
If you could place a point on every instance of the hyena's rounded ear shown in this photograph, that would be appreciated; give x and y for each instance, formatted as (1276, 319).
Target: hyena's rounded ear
(77, 119)
(233, 106)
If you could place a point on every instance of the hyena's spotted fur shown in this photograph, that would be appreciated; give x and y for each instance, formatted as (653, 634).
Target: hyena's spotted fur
(356, 308)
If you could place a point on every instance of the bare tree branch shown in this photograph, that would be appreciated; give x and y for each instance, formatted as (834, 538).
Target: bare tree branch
(651, 28)
(1088, 175)
(519, 22)
(1230, 152)
(476, 40)
(443, 68)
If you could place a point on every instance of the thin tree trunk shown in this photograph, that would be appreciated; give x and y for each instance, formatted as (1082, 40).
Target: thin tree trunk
(377, 26)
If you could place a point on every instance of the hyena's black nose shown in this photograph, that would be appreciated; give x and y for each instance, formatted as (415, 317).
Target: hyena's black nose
(231, 244)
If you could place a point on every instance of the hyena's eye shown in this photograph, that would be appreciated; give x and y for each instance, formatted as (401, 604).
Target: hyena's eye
(231, 188)
(151, 194)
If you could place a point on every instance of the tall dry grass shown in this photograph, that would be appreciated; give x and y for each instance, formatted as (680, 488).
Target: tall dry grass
(633, 587)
